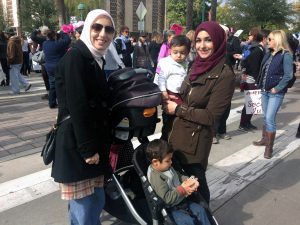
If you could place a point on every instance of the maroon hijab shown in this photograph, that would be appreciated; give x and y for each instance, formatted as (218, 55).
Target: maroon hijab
(218, 37)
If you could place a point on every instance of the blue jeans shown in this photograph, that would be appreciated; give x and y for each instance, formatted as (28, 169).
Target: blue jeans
(16, 78)
(181, 217)
(270, 106)
(52, 92)
(87, 210)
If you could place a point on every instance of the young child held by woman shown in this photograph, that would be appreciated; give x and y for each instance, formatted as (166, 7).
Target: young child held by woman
(173, 187)
(173, 68)
(172, 71)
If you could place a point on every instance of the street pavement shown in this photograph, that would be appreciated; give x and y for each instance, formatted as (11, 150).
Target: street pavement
(246, 189)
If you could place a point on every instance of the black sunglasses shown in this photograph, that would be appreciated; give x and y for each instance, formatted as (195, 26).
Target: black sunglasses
(98, 27)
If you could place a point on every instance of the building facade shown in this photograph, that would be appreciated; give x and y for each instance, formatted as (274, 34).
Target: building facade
(124, 13)
(9, 10)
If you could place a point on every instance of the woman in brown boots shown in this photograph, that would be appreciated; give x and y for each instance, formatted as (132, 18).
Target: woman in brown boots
(275, 73)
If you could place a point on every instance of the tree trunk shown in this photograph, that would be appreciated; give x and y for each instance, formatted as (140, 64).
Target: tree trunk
(213, 10)
(161, 15)
(120, 14)
(189, 15)
(61, 8)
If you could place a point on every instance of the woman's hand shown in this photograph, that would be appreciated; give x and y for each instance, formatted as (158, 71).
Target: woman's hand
(169, 106)
(93, 160)
(237, 56)
(273, 91)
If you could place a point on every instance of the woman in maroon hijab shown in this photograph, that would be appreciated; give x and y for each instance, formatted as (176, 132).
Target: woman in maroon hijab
(206, 92)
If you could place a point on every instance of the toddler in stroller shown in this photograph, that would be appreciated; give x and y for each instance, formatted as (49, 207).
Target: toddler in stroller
(173, 187)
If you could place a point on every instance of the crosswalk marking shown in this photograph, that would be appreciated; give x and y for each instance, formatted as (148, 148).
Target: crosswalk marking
(232, 174)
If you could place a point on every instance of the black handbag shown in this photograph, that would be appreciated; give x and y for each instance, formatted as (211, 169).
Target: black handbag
(48, 150)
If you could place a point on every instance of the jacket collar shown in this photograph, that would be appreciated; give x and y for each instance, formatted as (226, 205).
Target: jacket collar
(214, 73)
(83, 49)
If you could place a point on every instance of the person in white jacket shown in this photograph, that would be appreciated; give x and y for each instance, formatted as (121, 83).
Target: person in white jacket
(173, 70)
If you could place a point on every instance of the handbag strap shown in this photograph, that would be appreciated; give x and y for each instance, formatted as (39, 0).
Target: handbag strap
(63, 120)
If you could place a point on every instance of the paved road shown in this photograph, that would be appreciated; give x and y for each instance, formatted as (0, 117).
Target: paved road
(245, 187)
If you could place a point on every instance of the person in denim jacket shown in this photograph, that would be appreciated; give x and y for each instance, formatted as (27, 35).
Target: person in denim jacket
(275, 72)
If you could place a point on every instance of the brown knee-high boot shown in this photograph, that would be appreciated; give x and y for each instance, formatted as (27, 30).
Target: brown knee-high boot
(263, 140)
(270, 143)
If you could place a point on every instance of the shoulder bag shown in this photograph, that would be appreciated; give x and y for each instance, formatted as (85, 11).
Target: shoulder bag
(48, 150)
(39, 57)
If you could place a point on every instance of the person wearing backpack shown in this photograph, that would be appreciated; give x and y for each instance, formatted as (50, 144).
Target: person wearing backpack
(250, 68)
(275, 72)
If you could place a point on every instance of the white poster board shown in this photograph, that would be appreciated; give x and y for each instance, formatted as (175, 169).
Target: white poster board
(253, 101)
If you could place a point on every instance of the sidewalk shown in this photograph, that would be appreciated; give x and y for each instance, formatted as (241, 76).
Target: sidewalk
(25, 119)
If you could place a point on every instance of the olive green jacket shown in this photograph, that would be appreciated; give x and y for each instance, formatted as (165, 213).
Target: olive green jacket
(204, 101)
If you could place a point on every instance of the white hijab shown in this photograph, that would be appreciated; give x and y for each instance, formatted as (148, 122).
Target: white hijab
(86, 33)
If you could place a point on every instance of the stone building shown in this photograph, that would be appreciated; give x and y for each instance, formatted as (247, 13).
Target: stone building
(9, 11)
(124, 13)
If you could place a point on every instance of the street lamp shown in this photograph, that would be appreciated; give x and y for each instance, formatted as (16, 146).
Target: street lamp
(81, 8)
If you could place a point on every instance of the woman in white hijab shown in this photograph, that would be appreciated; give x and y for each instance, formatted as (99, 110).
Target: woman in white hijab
(84, 135)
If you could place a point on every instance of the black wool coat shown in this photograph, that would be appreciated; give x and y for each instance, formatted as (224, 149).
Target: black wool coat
(82, 93)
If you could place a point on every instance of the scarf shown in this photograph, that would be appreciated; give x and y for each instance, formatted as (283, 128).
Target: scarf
(86, 37)
(218, 37)
(124, 40)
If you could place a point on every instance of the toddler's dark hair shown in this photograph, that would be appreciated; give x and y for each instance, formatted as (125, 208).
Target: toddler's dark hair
(158, 149)
(181, 40)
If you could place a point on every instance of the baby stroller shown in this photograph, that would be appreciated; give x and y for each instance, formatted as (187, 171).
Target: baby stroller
(129, 196)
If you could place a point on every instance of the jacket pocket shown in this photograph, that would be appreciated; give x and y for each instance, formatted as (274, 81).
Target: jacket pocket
(185, 136)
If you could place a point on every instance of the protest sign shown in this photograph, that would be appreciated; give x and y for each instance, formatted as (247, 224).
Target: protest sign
(253, 101)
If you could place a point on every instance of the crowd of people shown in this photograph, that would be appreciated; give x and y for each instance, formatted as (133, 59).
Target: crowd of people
(196, 75)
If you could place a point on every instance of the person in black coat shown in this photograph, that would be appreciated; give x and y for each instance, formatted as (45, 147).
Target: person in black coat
(3, 58)
(39, 37)
(141, 57)
(124, 46)
(154, 48)
(83, 141)
(250, 68)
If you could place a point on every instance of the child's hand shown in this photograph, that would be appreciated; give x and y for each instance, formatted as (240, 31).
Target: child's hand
(194, 183)
(190, 185)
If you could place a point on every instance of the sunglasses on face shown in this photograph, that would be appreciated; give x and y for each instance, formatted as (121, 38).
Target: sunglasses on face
(97, 27)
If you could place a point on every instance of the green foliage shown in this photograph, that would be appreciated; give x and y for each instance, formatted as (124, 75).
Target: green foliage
(176, 12)
(2, 22)
(295, 24)
(71, 7)
(35, 13)
(245, 14)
